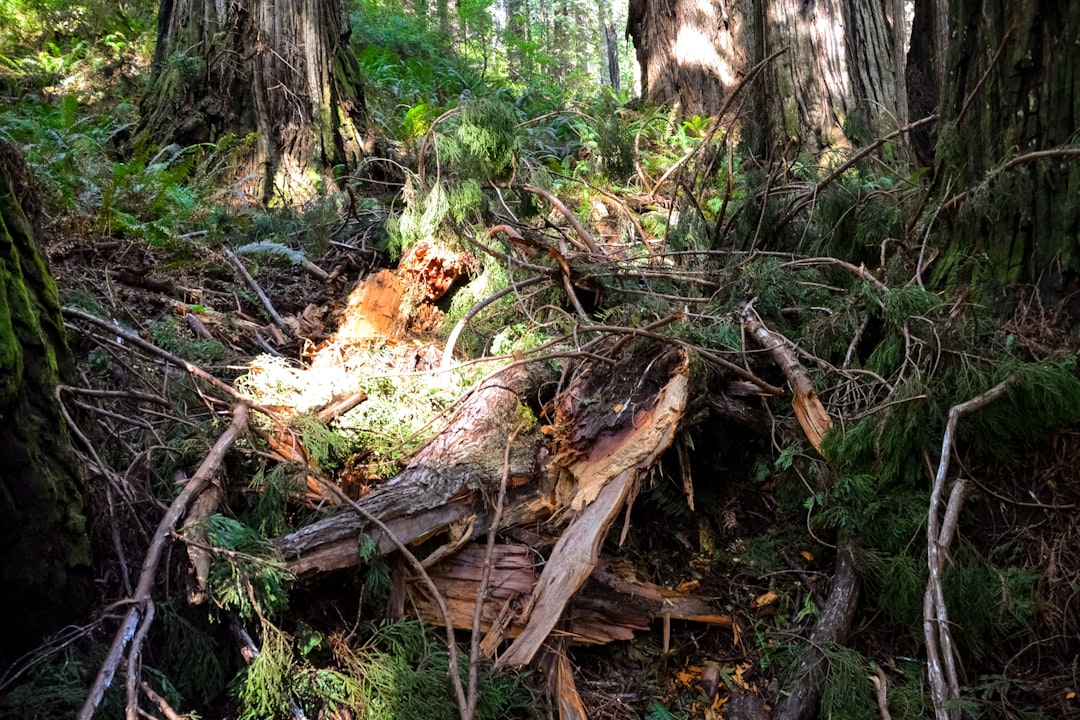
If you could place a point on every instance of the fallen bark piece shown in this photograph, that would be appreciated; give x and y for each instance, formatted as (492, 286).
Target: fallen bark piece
(608, 607)
(812, 416)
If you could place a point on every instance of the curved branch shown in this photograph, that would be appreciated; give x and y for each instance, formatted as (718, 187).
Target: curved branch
(588, 244)
(136, 622)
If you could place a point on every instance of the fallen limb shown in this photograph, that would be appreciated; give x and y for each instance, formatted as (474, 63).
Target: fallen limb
(587, 243)
(941, 656)
(831, 629)
(141, 611)
(438, 486)
(255, 288)
(813, 418)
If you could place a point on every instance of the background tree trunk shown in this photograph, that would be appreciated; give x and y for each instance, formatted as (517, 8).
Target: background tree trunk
(278, 74)
(44, 548)
(836, 80)
(1012, 90)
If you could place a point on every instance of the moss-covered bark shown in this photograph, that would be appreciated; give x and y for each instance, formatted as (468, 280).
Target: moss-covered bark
(1013, 88)
(44, 548)
(278, 73)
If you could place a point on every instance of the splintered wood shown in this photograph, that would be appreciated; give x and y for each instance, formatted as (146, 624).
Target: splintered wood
(569, 478)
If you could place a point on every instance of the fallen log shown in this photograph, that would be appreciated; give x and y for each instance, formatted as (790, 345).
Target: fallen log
(616, 423)
(446, 481)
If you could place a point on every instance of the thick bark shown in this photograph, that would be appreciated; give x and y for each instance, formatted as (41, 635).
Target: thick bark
(692, 53)
(832, 628)
(446, 484)
(277, 75)
(834, 85)
(44, 548)
(1013, 89)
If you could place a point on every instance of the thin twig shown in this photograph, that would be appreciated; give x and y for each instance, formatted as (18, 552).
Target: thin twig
(153, 349)
(267, 305)
(587, 242)
(881, 689)
(809, 196)
(448, 351)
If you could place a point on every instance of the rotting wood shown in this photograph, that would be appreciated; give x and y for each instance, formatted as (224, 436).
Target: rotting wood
(812, 416)
(439, 485)
(602, 475)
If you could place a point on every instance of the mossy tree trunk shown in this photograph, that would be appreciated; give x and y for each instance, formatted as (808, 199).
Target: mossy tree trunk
(276, 73)
(1012, 89)
(44, 547)
(834, 84)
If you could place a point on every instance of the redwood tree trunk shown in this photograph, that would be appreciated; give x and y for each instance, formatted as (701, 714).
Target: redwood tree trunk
(44, 548)
(835, 80)
(1011, 91)
(276, 73)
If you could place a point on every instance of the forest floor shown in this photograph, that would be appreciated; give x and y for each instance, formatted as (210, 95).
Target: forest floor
(803, 343)
(741, 547)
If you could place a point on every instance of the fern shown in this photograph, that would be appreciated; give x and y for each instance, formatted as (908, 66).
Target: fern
(271, 249)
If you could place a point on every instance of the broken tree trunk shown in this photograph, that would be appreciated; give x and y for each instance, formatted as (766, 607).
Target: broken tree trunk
(444, 485)
(609, 425)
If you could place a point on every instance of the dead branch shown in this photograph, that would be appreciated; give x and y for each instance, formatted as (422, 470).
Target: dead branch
(831, 628)
(267, 305)
(706, 354)
(134, 339)
(941, 656)
(587, 243)
(1064, 153)
(808, 197)
(141, 611)
(881, 690)
(448, 350)
(813, 418)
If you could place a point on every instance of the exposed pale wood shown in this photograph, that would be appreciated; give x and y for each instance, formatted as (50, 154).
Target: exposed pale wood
(373, 311)
(602, 477)
(608, 606)
(813, 418)
(562, 687)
